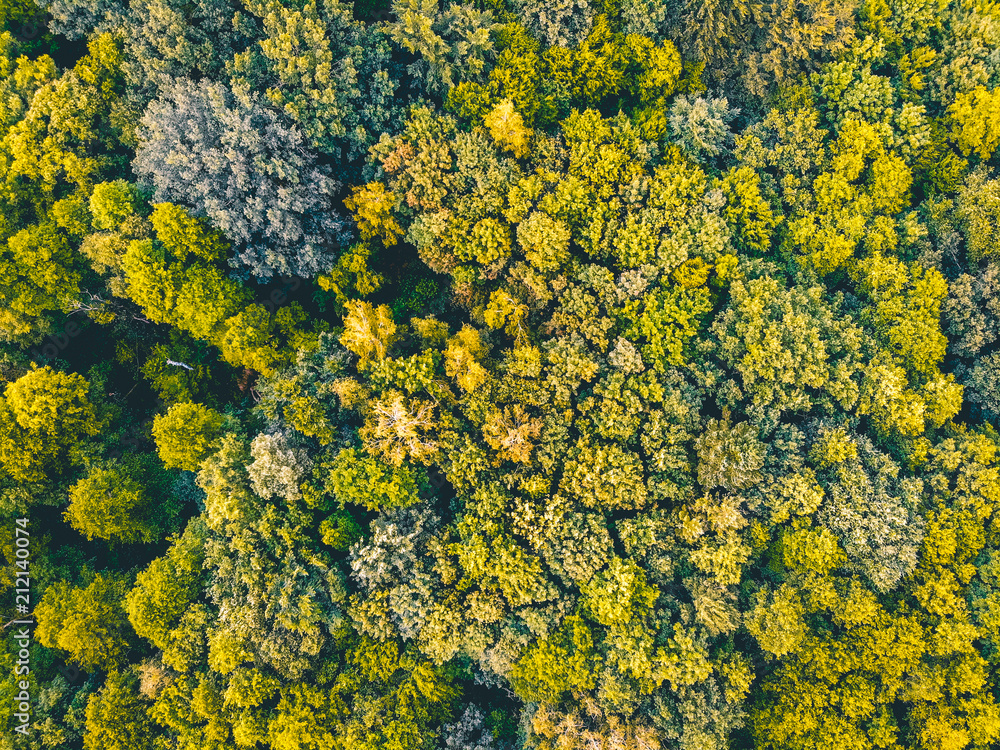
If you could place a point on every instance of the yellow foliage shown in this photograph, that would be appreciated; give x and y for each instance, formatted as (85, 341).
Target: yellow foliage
(462, 359)
(975, 118)
(352, 275)
(372, 206)
(369, 332)
(507, 128)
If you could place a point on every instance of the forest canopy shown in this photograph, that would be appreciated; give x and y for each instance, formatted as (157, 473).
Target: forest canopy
(500, 375)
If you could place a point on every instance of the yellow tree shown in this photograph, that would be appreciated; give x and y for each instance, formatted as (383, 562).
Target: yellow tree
(42, 415)
(369, 332)
(975, 118)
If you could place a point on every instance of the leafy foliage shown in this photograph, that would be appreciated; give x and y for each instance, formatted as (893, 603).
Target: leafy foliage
(290, 227)
(542, 374)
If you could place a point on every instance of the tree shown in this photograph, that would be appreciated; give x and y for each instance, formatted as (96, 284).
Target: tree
(975, 120)
(267, 193)
(372, 208)
(399, 429)
(369, 332)
(186, 435)
(979, 214)
(507, 128)
(329, 73)
(384, 696)
(563, 23)
(701, 126)
(88, 622)
(777, 621)
(111, 203)
(771, 42)
(906, 310)
(67, 137)
(788, 347)
(176, 384)
(355, 478)
(117, 717)
(43, 414)
(164, 591)
(184, 236)
(729, 456)
(605, 477)
(167, 39)
(668, 321)
(278, 466)
(563, 663)
(130, 502)
(39, 275)
(197, 298)
(874, 515)
(453, 44)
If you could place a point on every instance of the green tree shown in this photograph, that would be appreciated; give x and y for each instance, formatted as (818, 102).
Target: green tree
(111, 203)
(88, 622)
(186, 435)
(563, 663)
(788, 347)
(165, 589)
(329, 72)
(43, 414)
(117, 717)
(39, 275)
(975, 120)
(127, 503)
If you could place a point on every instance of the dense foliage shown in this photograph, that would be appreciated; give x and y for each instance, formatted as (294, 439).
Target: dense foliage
(542, 374)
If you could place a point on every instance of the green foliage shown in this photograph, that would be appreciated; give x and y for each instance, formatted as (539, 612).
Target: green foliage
(165, 589)
(788, 347)
(117, 717)
(564, 662)
(340, 531)
(976, 122)
(669, 319)
(979, 214)
(907, 309)
(728, 455)
(43, 415)
(186, 435)
(111, 203)
(175, 383)
(750, 217)
(39, 275)
(183, 235)
(88, 622)
(632, 401)
(385, 697)
(128, 502)
(700, 127)
(453, 44)
(175, 281)
(352, 477)
(329, 73)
